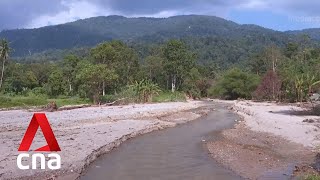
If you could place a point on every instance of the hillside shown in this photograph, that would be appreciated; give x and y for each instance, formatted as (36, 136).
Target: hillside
(313, 33)
(89, 32)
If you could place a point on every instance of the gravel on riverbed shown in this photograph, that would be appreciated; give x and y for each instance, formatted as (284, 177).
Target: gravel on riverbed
(85, 134)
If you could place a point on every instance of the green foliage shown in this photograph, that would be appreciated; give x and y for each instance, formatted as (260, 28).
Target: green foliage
(69, 101)
(299, 73)
(235, 84)
(4, 55)
(190, 59)
(213, 38)
(32, 100)
(108, 98)
(154, 70)
(191, 84)
(119, 57)
(178, 61)
(311, 177)
(170, 97)
(69, 69)
(144, 90)
(38, 91)
(92, 77)
(56, 83)
(20, 101)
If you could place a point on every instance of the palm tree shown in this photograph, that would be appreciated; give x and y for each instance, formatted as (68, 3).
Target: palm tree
(4, 55)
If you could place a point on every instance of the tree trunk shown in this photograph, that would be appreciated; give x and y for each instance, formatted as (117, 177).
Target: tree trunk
(70, 86)
(273, 66)
(103, 89)
(2, 73)
(173, 83)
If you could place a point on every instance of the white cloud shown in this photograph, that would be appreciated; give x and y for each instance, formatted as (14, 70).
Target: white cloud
(254, 4)
(71, 10)
(75, 10)
(166, 13)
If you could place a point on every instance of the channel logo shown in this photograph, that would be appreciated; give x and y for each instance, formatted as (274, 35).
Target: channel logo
(39, 120)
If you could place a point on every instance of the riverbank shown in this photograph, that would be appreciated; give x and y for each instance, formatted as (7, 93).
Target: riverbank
(271, 141)
(171, 154)
(87, 133)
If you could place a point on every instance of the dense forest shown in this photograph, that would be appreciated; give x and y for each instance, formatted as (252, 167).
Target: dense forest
(211, 37)
(152, 60)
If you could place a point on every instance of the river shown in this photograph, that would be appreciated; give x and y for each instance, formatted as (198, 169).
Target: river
(177, 153)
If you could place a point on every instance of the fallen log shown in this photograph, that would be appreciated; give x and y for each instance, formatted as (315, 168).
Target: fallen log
(71, 107)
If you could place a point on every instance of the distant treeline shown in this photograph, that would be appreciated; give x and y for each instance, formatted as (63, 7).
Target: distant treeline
(115, 70)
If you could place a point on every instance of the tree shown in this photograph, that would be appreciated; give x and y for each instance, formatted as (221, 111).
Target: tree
(270, 87)
(4, 55)
(177, 62)
(269, 58)
(93, 77)
(118, 57)
(235, 84)
(191, 84)
(291, 50)
(56, 83)
(70, 63)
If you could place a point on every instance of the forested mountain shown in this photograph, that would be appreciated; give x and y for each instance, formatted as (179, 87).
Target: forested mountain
(89, 32)
(313, 33)
(197, 55)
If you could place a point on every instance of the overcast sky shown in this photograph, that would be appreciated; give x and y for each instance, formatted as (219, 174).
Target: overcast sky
(274, 14)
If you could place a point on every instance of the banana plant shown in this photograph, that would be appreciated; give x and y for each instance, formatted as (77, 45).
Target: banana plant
(299, 81)
(145, 90)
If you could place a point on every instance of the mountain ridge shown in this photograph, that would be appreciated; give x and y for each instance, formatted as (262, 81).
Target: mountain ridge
(91, 31)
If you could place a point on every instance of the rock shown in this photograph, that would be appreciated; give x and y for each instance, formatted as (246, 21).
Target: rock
(309, 121)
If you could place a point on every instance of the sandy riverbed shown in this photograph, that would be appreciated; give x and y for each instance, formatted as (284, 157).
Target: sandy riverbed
(84, 134)
(270, 141)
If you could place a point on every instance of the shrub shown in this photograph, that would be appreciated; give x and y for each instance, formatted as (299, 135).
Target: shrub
(144, 90)
(170, 97)
(108, 98)
(38, 91)
(4, 99)
(235, 84)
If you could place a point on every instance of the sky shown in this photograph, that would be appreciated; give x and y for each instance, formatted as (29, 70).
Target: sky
(279, 15)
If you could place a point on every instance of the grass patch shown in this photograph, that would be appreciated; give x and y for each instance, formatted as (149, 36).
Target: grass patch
(169, 97)
(69, 101)
(20, 101)
(312, 177)
(29, 101)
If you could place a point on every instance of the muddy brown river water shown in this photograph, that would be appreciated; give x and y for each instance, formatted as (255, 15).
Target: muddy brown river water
(173, 154)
